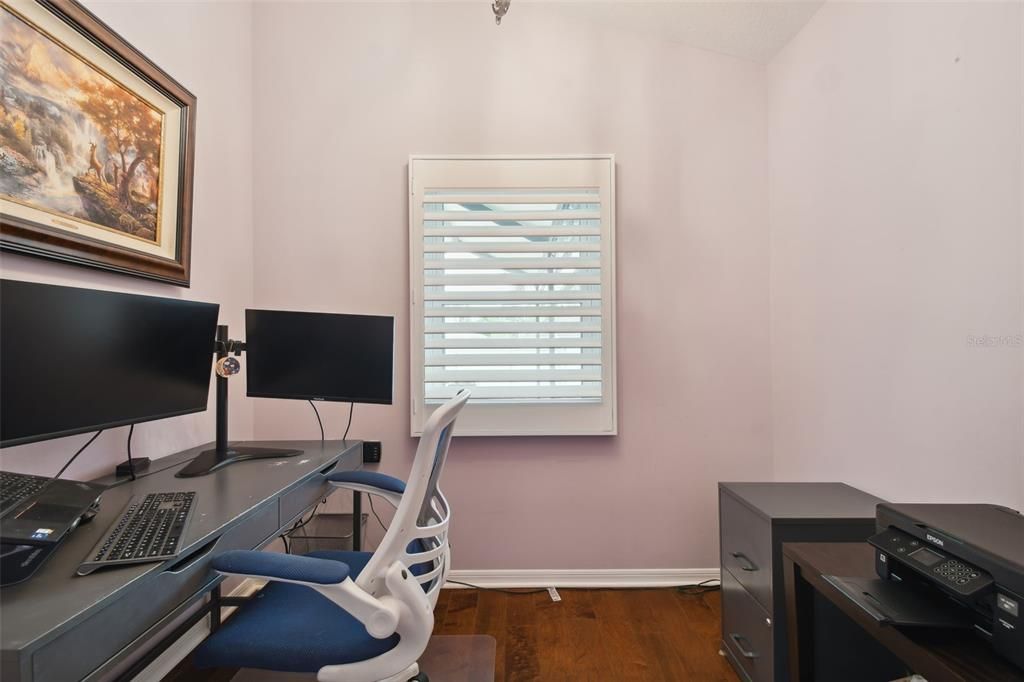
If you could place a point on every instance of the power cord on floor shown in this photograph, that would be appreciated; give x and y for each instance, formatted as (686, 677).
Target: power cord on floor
(498, 589)
(703, 587)
(527, 590)
(699, 588)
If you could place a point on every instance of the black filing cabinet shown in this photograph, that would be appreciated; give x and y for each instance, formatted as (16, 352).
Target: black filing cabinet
(754, 520)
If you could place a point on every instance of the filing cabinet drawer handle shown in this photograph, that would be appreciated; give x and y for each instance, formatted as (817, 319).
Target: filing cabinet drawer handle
(746, 563)
(744, 651)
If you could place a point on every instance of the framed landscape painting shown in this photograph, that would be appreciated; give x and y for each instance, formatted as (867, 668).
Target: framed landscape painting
(96, 146)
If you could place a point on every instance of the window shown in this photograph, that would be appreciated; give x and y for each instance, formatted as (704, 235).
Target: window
(512, 270)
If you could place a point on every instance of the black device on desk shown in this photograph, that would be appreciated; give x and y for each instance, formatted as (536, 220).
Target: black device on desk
(971, 554)
(36, 513)
(41, 511)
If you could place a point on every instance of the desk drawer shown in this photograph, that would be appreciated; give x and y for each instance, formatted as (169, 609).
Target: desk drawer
(144, 602)
(746, 631)
(747, 547)
(302, 498)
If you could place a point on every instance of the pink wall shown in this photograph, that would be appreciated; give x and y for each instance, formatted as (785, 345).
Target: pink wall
(896, 235)
(882, 148)
(206, 47)
(346, 91)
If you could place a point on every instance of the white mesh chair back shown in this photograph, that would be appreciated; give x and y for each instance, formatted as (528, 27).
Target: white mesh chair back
(418, 534)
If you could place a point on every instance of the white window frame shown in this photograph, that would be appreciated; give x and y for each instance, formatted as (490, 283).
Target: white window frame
(514, 419)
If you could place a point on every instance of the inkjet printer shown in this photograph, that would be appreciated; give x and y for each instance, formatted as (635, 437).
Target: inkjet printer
(972, 554)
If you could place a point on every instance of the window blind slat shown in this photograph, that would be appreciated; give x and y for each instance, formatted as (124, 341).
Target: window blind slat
(443, 392)
(510, 327)
(513, 279)
(437, 341)
(476, 216)
(513, 311)
(506, 232)
(437, 374)
(502, 198)
(501, 359)
(565, 263)
(513, 247)
(470, 296)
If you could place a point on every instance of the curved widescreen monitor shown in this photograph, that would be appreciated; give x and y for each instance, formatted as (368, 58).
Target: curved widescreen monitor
(75, 360)
(319, 356)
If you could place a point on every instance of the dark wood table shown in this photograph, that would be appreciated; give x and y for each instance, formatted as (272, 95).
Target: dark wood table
(938, 655)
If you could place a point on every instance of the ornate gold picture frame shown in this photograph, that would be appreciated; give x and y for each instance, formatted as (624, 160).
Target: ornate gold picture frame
(97, 146)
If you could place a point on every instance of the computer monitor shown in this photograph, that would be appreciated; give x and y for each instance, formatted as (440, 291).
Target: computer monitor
(320, 356)
(75, 360)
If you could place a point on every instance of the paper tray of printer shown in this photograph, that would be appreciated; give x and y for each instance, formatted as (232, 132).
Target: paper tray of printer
(892, 603)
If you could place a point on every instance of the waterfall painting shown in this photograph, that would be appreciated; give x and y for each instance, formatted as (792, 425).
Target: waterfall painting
(96, 145)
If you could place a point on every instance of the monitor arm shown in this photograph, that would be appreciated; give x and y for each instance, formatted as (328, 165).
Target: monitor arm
(223, 454)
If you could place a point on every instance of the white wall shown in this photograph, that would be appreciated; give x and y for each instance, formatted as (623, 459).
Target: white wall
(346, 91)
(896, 236)
(207, 47)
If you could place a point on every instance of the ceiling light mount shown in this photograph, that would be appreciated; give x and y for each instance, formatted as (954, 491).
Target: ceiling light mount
(500, 8)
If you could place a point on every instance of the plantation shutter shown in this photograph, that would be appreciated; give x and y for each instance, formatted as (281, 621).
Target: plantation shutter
(513, 274)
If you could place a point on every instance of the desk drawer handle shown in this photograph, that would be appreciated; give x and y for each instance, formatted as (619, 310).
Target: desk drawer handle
(745, 563)
(744, 651)
(188, 561)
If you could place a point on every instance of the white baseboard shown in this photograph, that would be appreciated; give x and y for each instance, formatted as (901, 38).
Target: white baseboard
(625, 578)
(163, 664)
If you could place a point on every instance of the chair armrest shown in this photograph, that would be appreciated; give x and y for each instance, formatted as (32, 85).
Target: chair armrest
(367, 479)
(286, 567)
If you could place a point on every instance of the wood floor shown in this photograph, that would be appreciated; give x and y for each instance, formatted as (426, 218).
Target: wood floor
(643, 635)
(620, 635)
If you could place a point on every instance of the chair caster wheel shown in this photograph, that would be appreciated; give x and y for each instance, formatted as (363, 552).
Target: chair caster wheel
(422, 677)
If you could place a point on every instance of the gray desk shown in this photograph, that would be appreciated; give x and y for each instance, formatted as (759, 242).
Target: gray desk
(58, 626)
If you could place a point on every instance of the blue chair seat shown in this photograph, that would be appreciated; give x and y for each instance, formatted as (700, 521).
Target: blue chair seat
(292, 628)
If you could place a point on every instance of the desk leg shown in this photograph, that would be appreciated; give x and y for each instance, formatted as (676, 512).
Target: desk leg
(800, 622)
(215, 608)
(357, 521)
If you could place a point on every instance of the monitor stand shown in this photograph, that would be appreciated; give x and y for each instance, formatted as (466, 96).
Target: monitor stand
(223, 454)
(209, 461)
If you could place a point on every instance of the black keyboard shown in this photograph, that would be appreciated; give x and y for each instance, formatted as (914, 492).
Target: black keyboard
(149, 529)
(16, 488)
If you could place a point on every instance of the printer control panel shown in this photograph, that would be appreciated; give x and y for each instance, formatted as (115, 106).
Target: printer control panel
(938, 565)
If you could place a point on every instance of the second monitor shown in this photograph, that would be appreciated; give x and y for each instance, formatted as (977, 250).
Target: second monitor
(320, 356)
(303, 356)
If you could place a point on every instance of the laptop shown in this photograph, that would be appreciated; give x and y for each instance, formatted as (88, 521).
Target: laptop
(35, 510)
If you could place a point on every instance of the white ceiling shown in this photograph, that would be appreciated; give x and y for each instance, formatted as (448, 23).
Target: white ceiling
(754, 30)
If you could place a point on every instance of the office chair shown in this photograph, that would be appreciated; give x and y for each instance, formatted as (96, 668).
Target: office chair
(350, 616)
